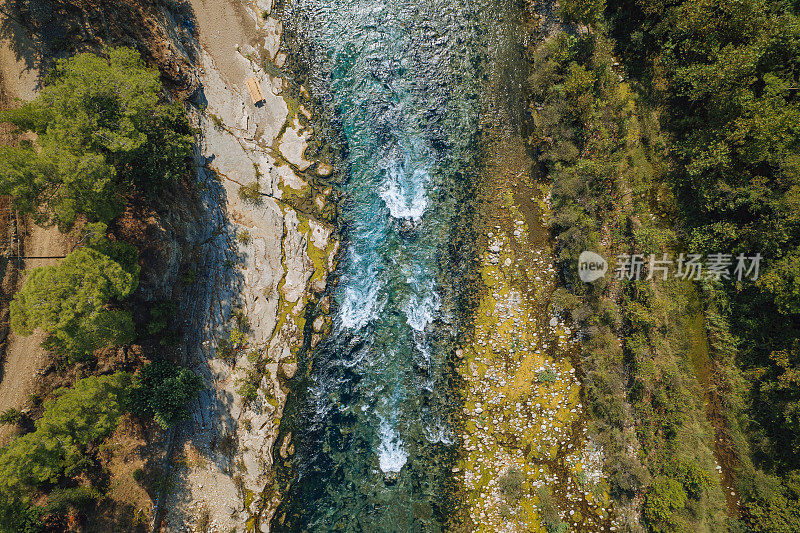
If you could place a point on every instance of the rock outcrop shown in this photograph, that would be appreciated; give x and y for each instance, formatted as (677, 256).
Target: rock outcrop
(258, 262)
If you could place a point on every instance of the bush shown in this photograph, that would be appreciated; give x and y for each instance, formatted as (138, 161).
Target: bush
(546, 376)
(665, 498)
(243, 237)
(70, 302)
(251, 193)
(512, 485)
(160, 316)
(10, 417)
(548, 511)
(161, 390)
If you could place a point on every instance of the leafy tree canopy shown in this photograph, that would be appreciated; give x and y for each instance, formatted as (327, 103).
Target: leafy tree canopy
(162, 390)
(70, 302)
(77, 419)
(101, 128)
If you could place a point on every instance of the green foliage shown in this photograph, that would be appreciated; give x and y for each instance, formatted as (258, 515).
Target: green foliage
(238, 339)
(248, 386)
(251, 193)
(101, 128)
(10, 417)
(189, 276)
(59, 448)
(218, 122)
(96, 236)
(582, 11)
(605, 161)
(725, 75)
(549, 511)
(243, 236)
(17, 516)
(161, 315)
(546, 376)
(70, 302)
(248, 391)
(162, 390)
(512, 485)
(665, 498)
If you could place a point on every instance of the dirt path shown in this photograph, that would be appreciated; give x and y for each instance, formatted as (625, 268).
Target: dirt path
(24, 357)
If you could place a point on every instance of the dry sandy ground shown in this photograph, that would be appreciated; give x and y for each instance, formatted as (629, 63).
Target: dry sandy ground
(24, 356)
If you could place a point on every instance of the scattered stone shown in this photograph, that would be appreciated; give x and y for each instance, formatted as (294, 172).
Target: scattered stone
(324, 304)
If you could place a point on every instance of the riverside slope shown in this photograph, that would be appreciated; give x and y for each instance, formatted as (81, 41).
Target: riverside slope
(257, 261)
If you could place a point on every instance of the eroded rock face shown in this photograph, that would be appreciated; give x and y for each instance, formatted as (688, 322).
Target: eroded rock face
(257, 260)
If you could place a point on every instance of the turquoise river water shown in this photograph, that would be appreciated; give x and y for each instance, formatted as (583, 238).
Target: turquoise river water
(373, 429)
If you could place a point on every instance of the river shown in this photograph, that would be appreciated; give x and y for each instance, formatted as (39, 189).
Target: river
(373, 429)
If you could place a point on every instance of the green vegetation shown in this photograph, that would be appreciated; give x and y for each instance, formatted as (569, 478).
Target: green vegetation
(102, 128)
(103, 131)
(512, 485)
(70, 302)
(61, 449)
(251, 193)
(725, 75)
(603, 153)
(10, 417)
(161, 315)
(162, 390)
(243, 237)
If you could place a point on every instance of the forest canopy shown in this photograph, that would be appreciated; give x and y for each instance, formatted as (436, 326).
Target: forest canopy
(102, 128)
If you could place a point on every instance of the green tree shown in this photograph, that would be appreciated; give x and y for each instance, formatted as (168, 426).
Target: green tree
(70, 302)
(162, 390)
(665, 499)
(59, 448)
(582, 11)
(102, 127)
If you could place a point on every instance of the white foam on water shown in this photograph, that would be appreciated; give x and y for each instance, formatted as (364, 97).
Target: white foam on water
(439, 433)
(404, 195)
(421, 311)
(392, 456)
(360, 302)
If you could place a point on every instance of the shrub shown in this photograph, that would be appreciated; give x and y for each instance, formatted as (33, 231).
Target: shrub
(546, 376)
(70, 302)
(243, 237)
(160, 316)
(665, 498)
(512, 485)
(10, 417)
(162, 390)
(251, 193)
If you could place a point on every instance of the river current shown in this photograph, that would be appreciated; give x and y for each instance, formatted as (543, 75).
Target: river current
(373, 433)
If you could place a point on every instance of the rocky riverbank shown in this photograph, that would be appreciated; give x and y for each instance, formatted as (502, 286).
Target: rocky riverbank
(264, 246)
(527, 461)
